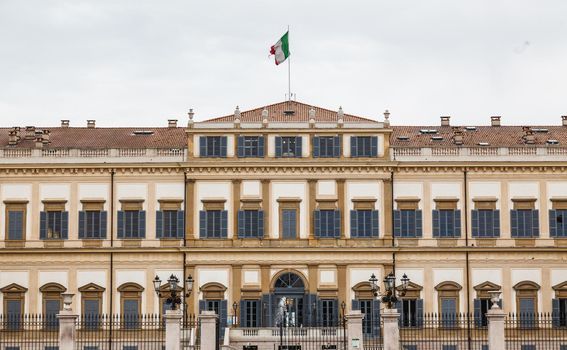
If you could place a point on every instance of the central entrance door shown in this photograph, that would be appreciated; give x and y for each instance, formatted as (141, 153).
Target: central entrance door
(289, 292)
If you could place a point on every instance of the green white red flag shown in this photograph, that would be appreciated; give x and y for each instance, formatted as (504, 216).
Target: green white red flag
(281, 49)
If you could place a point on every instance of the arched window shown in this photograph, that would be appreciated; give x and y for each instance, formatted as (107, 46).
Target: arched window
(289, 280)
(131, 304)
(52, 301)
(448, 301)
(14, 298)
(482, 302)
(526, 303)
(91, 304)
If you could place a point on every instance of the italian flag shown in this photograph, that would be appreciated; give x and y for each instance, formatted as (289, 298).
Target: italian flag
(281, 49)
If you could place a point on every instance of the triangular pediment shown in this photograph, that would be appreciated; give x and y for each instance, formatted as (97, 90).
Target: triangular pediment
(411, 287)
(13, 288)
(91, 287)
(561, 286)
(487, 286)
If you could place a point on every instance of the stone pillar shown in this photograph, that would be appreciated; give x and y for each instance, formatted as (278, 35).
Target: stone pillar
(391, 329)
(496, 340)
(208, 330)
(173, 329)
(67, 324)
(354, 330)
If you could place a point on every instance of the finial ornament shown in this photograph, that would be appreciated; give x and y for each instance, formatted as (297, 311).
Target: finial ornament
(191, 114)
(386, 115)
(265, 113)
(340, 113)
(311, 113)
(237, 113)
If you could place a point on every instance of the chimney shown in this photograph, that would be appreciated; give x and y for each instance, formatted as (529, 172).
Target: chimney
(30, 133)
(64, 123)
(445, 121)
(564, 120)
(457, 136)
(495, 121)
(46, 134)
(91, 123)
(386, 118)
(39, 142)
(13, 137)
(172, 123)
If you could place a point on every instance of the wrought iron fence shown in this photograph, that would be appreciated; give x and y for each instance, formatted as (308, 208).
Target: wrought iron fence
(191, 333)
(29, 332)
(443, 332)
(531, 331)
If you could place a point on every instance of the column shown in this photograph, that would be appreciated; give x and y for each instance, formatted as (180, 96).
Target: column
(341, 205)
(190, 210)
(354, 330)
(235, 207)
(266, 207)
(173, 329)
(312, 183)
(387, 209)
(496, 340)
(391, 329)
(208, 330)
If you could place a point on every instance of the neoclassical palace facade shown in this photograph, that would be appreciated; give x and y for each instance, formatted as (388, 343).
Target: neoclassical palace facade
(284, 200)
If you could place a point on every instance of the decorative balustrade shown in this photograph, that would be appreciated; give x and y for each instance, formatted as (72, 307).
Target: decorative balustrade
(480, 151)
(35, 154)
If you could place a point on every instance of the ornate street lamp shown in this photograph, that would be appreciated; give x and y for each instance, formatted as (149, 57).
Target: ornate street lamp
(174, 296)
(390, 297)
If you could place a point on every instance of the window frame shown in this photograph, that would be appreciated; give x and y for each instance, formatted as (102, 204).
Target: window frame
(88, 292)
(130, 291)
(289, 204)
(13, 292)
(15, 206)
(49, 292)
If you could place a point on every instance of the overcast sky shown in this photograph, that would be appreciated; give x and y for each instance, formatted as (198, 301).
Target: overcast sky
(141, 62)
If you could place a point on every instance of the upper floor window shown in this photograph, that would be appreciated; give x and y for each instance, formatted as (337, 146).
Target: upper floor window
(407, 219)
(364, 223)
(288, 146)
(289, 217)
(485, 218)
(326, 146)
(92, 220)
(524, 219)
(250, 224)
(54, 221)
(16, 220)
(558, 218)
(250, 146)
(170, 220)
(213, 223)
(212, 146)
(132, 220)
(327, 223)
(364, 146)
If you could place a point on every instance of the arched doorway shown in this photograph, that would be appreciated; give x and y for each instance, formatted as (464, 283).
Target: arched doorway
(289, 289)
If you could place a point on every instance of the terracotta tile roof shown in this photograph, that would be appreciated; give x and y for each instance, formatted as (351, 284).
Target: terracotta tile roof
(301, 114)
(495, 136)
(83, 138)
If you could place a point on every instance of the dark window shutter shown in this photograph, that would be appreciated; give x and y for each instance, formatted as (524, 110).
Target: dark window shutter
(316, 146)
(496, 223)
(223, 149)
(65, 224)
(319, 317)
(374, 146)
(354, 223)
(103, 223)
(278, 146)
(477, 313)
(457, 223)
(261, 151)
(202, 224)
(241, 224)
(180, 223)
(266, 310)
(335, 308)
(556, 313)
(82, 224)
(243, 320)
(375, 317)
(43, 225)
(142, 224)
(202, 306)
(203, 146)
(354, 146)
(317, 223)
(355, 304)
(120, 226)
(398, 305)
(418, 224)
(474, 221)
(375, 224)
(159, 224)
(223, 313)
(419, 312)
(436, 224)
(553, 223)
(535, 223)
(298, 146)
(514, 223)
(260, 224)
(397, 223)
(336, 146)
(337, 222)
(240, 146)
(224, 225)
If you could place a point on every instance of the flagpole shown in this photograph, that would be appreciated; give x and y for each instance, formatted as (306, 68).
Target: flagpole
(288, 70)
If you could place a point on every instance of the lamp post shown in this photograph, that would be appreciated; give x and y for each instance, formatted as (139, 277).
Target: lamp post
(234, 308)
(390, 297)
(173, 291)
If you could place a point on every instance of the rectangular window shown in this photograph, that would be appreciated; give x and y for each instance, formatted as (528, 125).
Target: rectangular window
(327, 223)
(289, 223)
(449, 312)
(371, 310)
(485, 223)
(329, 312)
(364, 223)
(170, 224)
(131, 313)
(250, 313)
(562, 312)
(288, 146)
(212, 146)
(558, 222)
(92, 224)
(54, 224)
(446, 223)
(91, 313)
(326, 147)
(52, 307)
(131, 224)
(407, 223)
(366, 310)
(527, 312)
(13, 313)
(409, 312)
(250, 224)
(481, 307)
(15, 225)
(363, 146)
(213, 223)
(524, 223)
(250, 146)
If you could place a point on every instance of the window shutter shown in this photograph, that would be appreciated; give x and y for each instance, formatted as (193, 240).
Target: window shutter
(202, 306)
(319, 317)
(202, 224)
(337, 223)
(496, 223)
(223, 149)
(142, 224)
(375, 224)
(120, 225)
(514, 223)
(298, 146)
(418, 224)
(180, 223)
(457, 223)
(397, 223)
(317, 223)
(241, 225)
(316, 146)
(224, 225)
(374, 146)
(535, 223)
(419, 312)
(223, 315)
(477, 313)
(336, 146)
(553, 223)
(354, 146)
(243, 320)
(278, 146)
(203, 146)
(103, 224)
(556, 313)
(82, 224)
(398, 305)
(335, 308)
(474, 221)
(159, 224)
(260, 224)
(376, 317)
(240, 146)
(65, 224)
(261, 148)
(266, 311)
(436, 224)
(354, 223)
(355, 304)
